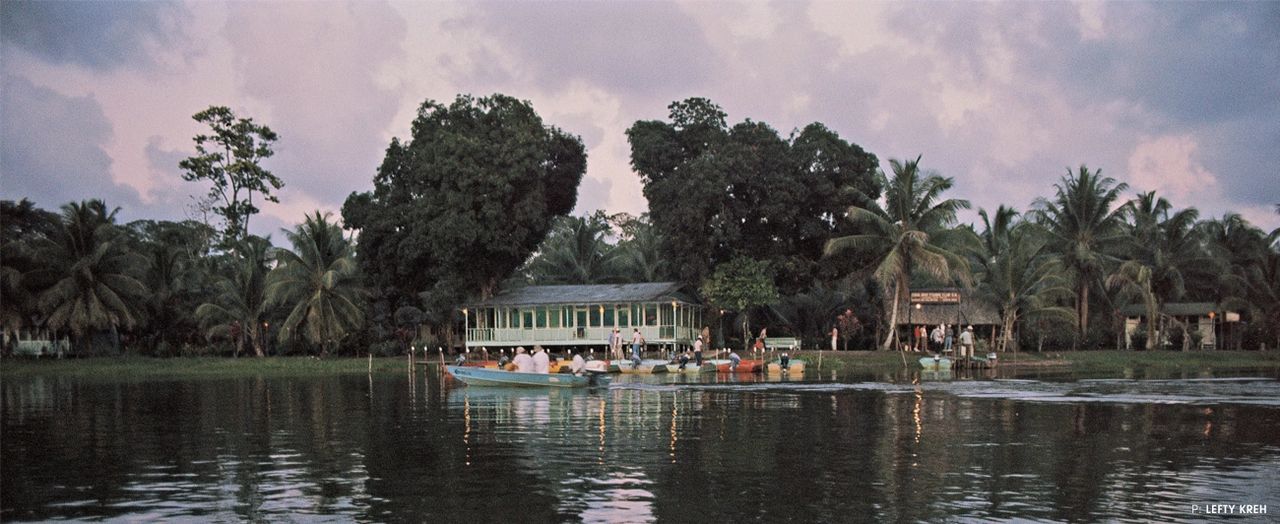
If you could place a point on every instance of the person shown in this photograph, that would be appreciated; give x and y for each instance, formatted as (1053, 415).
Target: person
(637, 342)
(697, 352)
(684, 359)
(784, 360)
(616, 348)
(523, 362)
(835, 335)
(935, 338)
(541, 362)
(948, 338)
(966, 342)
(922, 335)
(734, 359)
(460, 360)
(502, 361)
(578, 365)
(760, 339)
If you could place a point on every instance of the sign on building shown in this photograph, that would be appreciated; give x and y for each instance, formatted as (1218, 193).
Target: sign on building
(935, 297)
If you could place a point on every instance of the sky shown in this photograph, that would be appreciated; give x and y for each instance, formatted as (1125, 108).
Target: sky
(1182, 98)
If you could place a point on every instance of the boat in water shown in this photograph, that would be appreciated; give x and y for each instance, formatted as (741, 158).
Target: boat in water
(479, 376)
(935, 363)
(724, 365)
(645, 367)
(794, 367)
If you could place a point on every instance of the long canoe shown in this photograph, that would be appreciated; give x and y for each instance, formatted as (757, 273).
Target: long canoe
(476, 376)
(744, 366)
(645, 367)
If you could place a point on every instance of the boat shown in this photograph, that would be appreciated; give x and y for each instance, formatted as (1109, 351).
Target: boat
(602, 366)
(744, 366)
(794, 367)
(478, 376)
(691, 368)
(645, 366)
(935, 363)
(988, 361)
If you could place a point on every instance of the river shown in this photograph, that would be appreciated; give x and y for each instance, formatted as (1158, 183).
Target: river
(1032, 446)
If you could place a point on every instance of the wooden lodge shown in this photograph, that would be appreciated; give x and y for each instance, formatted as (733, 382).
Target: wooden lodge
(585, 315)
(1206, 318)
(954, 306)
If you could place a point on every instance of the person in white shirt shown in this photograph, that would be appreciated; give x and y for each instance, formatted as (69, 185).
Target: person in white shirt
(541, 362)
(523, 362)
(578, 365)
(697, 351)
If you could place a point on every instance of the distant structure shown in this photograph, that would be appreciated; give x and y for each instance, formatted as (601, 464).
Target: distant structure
(585, 315)
(1212, 322)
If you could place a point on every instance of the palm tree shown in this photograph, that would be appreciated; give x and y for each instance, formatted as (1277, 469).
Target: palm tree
(238, 309)
(318, 283)
(575, 252)
(1085, 228)
(1017, 273)
(90, 279)
(907, 234)
(639, 252)
(1135, 279)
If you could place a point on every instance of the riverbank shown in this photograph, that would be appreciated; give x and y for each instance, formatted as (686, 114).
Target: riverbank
(875, 361)
(1088, 361)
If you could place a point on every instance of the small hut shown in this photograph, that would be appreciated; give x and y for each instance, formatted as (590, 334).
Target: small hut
(956, 307)
(1204, 318)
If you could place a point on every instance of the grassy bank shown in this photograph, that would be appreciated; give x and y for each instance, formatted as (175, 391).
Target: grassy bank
(199, 367)
(875, 361)
(1091, 361)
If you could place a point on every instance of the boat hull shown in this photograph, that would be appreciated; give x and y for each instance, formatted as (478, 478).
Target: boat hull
(645, 367)
(476, 376)
(933, 364)
(745, 366)
(795, 367)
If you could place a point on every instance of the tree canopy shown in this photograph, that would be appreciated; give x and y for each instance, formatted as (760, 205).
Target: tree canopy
(463, 202)
(230, 160)
(716, 192)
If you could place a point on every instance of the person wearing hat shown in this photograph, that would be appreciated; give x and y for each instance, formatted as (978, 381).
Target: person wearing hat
(523, 362)
(966, 342)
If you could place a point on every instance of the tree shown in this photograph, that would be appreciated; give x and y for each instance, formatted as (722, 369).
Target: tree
(21, 224)
(318, 284)
(463, 204)
(237, 307)
(716, 193)
(909, 233)
(90, 280)
(1085, 227)
(640, 254)
(740, 284)
(230, 160)
(178, 276)
(575, 252)
(1016, 271)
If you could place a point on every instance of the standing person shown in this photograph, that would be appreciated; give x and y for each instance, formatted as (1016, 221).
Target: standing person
(613, 343)
(835, 335)
(637, 342)
(924, 338)
(541, 362)
(966, 342)
(935, 337)
(760, 339)
(523, 362)
(697, 351)
(948, 337)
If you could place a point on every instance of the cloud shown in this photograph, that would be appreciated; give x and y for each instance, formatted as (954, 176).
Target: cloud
(52, 148)
(631, 48)
(1171, 166)
(321, 73)
(97, 35)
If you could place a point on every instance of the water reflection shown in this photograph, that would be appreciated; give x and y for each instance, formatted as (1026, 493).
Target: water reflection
(685, 447)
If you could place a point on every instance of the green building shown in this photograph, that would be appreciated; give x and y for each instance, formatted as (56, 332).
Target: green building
(665, 313)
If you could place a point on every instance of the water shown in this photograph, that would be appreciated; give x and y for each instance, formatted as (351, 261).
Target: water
(705, 448)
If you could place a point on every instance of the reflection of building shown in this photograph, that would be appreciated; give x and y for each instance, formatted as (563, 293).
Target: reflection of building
(1198, 317)
(663, 312)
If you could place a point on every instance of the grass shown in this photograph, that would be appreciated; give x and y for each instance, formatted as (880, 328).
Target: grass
(196, 367)
(206, 367)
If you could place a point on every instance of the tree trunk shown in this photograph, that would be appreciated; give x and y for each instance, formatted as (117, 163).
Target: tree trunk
(256, 334)
(1083, 310)
(893, 316)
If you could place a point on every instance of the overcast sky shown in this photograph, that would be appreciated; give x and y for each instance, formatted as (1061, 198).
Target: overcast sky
(1178, 97)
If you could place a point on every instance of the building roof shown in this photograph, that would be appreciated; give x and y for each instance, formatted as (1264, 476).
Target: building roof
(1176, 309)
(591, 294)
(969, 311)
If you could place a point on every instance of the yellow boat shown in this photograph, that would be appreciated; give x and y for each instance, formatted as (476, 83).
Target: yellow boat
(795, 367)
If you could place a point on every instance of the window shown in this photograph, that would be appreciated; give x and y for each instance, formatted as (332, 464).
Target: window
(624, 315)
(651, 314)
(609, 316)
(526, 318)
(553, 317)
(582, 318)
(542, 316)
(595, 316)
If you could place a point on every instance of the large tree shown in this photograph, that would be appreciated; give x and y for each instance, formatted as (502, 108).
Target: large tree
(21, 225)
(236, 308)
(230, 160)
(318, 284)
(741, 285)
(1085, 224)
(909, 233)
(717, 192)
(1016, 271)
(91, 280)
(463, 203)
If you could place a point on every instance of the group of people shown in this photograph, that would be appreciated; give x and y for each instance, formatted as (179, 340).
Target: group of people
(941, 338)
(616, 341)
(540, 362)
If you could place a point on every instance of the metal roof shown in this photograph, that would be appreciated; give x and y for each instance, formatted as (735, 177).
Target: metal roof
(1177, 309)
(590, 294)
